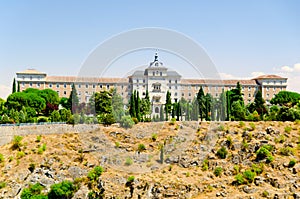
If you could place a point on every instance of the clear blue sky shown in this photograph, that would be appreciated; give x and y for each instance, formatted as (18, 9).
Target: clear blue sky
(241, 37)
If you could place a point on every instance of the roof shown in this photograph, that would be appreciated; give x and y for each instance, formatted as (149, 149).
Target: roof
(217, 82)
(270, 77)
(31, 71)
(138, 73)
(173, 74)
(85, 79)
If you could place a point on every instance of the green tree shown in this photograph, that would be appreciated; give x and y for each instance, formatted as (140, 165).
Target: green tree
(132, 105)
(162, 113)
(201, 102)
(238, 111)
(286, 98)
(208, 105)
(146, 106)
(137, 106)
(18, 90)
(168, 105)
(73, 101)
(64, 190)
(55, 116)
(117, 106)
(258, 105)
(14, 89)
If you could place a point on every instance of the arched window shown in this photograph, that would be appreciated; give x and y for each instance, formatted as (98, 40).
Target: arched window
(156, 110)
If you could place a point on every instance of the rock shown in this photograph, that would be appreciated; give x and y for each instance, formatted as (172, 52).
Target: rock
(249, 190)
(270, 130)
(296, 195)
(275, 183)
(81, 193)
(172, 159)
(258, 180)
(236, 159)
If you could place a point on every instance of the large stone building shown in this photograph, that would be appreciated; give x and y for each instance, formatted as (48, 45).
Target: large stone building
(157, 79)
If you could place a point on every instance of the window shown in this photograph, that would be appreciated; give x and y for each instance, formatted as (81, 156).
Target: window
(144, 93)
(249, 95)
(79, 85)
(189, 87)
(100, 86)
(216, 88)
(122, 86)
(175, 87)
(137, 81)
(156, 110)
(182, 94)
(144, 81)
(30, 77)
(57, 85)
(65, 92)
(175, 94)
(190, 94)
(23, 77)
(107, 86)
(216, 94)
(30, 84)
(122, 93)
(267, 88)
(86, 86)
(249, 88)
(268, 96)
(50, 85)
(274, 82)
(79, 92)
(94, 86)
(170, 87)
(281, 82)
(153, 73)
(38, 85)
(274, 89)
(176, 81)
(23, 84)
(160, 73)
(175, 99)
(170, 81)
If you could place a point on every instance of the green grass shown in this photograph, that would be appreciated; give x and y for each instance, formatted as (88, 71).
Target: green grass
(222, 153)
(141, 148)
(20, 154)
(1, 158)
(218, 171)
(128, 161)
(287, 129)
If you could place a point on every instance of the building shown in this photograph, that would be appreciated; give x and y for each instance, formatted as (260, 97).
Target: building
(157, 79)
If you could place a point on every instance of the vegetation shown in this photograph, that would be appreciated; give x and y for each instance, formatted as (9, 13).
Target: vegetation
(222, 153)
(218, 171)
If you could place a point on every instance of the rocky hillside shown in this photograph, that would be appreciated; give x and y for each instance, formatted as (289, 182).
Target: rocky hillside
(161, 160)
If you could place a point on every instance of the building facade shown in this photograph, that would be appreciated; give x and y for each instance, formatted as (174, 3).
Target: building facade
(157, 79)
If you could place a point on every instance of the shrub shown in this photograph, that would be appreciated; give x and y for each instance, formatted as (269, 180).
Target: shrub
(117, 144)
(205, 165)
(221, 128)
(241, 124)
(38, 138)
(229, 141)
(270, 159)
(236, 168)
(280, 139)
(95, 173)
(65, 190)
(287, 129)
(249, 175)
(173, 121)
(16, 144)
(2, 185)
(1, 158)
(41, 149)
(265, 193)
(128, 161)
(141, 148)
(252, 126)
(33, 192)
(20, 154)
(292, 163)
(31, 167)
(130, 179)
(263, 152)
(239, 179)
(126, 121)
(218, 171)
(222, 153)
(286, 151)
(154, 137)
(258, 169)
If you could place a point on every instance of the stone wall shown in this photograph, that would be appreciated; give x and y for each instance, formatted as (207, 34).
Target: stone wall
(8, 132)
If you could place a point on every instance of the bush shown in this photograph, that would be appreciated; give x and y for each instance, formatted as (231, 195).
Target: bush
(20, 154)
(33, 192)
(64, 190)
(1, 158)
(236, 168)
(128, 161)
(265, 193)
(292, 163)
(241, 124)
(286, 151)
(126, 121)
(31, 167)
(38, 138)
(130, 179)
(2, 185)
(94, 174)
(263, 152)
(106, 119)
(154, 137)
(239, 179)
(270, 159)
(222, 153)
(205, 165)
(141, 148)
(258, 169)
(218, 171)
(287, 129)
(249, 175)
(16, 144)
(252, 126)
(229, 141)
(221, 128)
(117, 144)
(173, 121)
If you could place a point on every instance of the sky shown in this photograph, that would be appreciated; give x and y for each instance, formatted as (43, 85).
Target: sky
(242, 38)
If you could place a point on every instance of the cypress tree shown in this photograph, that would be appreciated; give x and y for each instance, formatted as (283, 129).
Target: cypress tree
(201, 102)
(18, 87)
(132, 105)
(14, 89)
(162, 113)
(73, 100)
